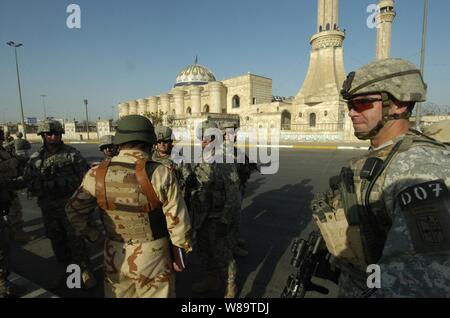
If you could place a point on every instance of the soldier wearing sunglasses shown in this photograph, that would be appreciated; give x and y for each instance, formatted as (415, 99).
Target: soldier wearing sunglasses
(52, 175)
(390, 207)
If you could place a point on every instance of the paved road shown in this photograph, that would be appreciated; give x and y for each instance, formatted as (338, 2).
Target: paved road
(275, 210)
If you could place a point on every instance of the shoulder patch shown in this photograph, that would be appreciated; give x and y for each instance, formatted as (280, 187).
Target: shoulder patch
(426, 208)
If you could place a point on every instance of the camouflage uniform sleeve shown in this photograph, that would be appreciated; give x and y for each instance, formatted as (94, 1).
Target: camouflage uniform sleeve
(174, 207)
(232, 193)
(81, 205)
(81, 164)
(410, 265)
(6, 165)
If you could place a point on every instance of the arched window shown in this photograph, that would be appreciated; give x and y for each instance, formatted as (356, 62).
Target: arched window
(312, 120)
(206, 108)
(320, 29)
(328, 27)
(325, 113)
(236, 102)
(335, 26)
(285, 120)
(188, 110)
(173, 111)
(300, 115)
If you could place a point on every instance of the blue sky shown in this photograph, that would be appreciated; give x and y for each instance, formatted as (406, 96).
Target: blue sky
(133, 49)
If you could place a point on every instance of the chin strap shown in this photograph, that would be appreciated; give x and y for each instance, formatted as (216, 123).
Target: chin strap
(386, 117)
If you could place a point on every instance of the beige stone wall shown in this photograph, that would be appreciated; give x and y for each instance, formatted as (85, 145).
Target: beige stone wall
(247, 87)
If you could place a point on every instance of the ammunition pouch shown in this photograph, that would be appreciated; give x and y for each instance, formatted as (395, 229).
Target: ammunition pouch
(344, 224)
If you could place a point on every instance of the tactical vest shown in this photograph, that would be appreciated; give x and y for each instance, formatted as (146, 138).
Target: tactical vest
(54, 176)
(356, 233)
(211, 193)
(132, 210)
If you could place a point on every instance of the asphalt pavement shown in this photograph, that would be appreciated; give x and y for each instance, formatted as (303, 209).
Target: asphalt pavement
(275, 210)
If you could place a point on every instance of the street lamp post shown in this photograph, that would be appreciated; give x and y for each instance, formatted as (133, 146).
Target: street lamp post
(15, 46)
(87, 118)
(43, 104)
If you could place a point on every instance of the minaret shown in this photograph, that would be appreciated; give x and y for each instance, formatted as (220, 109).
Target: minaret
(384, 22)
(326, 71)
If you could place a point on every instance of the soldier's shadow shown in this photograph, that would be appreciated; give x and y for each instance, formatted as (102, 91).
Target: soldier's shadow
(269, 224)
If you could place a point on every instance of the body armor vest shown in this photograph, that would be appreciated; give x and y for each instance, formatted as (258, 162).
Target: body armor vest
(356, 233)
(132, 211)
(212, 188)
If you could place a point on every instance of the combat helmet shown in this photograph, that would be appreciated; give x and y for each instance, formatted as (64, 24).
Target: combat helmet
(106, 141)
(163, 133)
(439, 131)
(19, 134)
(50, 125)
(134, 128)
(395, 79)
(209, 127)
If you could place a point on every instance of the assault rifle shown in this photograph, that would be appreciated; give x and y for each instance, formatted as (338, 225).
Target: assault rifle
(310, 258)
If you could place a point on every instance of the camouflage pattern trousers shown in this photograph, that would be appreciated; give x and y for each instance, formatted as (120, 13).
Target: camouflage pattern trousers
(216, 253)
(67, 246)
(138, 269)
(235, 234)
(4, 251)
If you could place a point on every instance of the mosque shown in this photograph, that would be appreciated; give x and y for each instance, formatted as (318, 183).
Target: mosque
(316, 113)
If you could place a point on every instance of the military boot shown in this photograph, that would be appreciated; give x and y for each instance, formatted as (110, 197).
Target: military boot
(88, 279)
(231, 290)
(20, 236)
(239, 251)
(209, 283)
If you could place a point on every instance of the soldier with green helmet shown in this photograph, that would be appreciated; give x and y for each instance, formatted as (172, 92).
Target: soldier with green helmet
(163, 147)
(243, 170)
(145, 218)
(52, 175)
(213, 203)
(107, 146)
(393, 202)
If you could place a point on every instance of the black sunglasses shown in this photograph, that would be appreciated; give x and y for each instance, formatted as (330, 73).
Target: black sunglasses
(163, 141)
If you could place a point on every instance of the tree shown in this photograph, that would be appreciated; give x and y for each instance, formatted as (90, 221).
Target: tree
(155, 117)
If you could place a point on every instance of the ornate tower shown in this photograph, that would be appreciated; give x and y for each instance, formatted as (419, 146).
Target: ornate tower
(384, 22)
(326, 67)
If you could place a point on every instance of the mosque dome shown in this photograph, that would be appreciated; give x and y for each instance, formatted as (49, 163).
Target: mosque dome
(195, 74)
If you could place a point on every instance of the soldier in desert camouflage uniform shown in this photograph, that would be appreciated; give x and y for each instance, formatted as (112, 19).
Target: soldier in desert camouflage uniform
(402, 220)
(144, 215)
(213, 201)
(52, 175)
